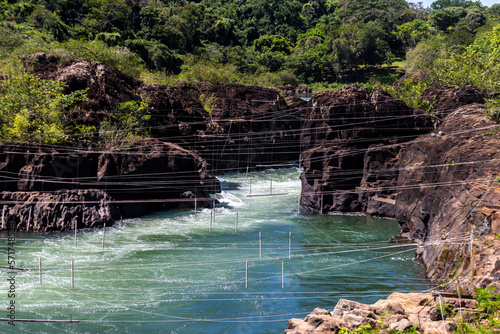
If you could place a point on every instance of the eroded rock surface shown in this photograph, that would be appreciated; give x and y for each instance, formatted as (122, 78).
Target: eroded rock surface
(399, 312)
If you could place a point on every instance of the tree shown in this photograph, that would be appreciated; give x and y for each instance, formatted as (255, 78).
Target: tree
(34, 110)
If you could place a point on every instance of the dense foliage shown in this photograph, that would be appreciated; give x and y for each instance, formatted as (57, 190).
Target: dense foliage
(269, 41)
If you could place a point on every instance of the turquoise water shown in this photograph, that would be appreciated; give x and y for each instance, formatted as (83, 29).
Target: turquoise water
(173, 272)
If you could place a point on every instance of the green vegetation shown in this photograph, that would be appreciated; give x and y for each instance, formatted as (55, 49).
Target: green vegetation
(266, 42)
(35, 110)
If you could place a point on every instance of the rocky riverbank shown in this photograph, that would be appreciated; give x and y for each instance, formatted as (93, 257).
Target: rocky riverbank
(361, 151)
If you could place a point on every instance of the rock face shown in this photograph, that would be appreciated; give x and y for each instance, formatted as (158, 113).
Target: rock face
(230, 126)
(449, 197)
(62, 210)
(150, 176)
(351, 140)
(398, 312)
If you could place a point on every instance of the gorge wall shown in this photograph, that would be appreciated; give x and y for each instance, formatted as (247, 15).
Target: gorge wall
(361, 151)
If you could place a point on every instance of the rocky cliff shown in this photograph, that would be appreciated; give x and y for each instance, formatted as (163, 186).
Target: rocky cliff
(352, 139)
(449, 199)
(100, 186)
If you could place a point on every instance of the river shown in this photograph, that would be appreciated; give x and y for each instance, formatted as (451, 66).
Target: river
(256, 265)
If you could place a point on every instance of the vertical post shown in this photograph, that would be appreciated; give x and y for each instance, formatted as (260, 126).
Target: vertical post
(260, 245)
(29, 219)
(290, 245)
(246, 175)
(210, 226)
(282, 274)
(298, 206)
(321, 204)
(236, 224)
(271, 186)
(213, 208)
(195, 207)
(3, 217)
(250, 185)
(103, 235)
(72, 273)
(441, 306)
(75, 233)
(40, 269)
(246, 274)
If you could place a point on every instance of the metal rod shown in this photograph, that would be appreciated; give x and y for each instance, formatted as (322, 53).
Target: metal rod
(103, 235)
(282, 274)
(260, 245)
(250, 185)
(321, 204)
(75, 233)
(195, 208)
(246, 274)
(236, 224)
(40, 269)
(29, 219)
(271, 186)
(3, 217)
(290, 245)
(72, 273)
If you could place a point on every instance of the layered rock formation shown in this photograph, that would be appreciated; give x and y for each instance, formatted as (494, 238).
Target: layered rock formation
(351, 140)
(449, 198)
(101, 186)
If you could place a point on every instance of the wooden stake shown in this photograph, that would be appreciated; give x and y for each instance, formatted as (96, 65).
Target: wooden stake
(40, 269)
(246, 274)
(72, 273)
(103, 235)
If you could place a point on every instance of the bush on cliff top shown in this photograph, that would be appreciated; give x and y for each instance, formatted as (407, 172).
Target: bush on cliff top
(34, 110)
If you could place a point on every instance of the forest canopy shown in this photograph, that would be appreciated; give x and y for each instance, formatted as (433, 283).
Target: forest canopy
(266, 42)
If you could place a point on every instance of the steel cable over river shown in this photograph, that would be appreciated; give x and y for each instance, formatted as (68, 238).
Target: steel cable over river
(246, 266)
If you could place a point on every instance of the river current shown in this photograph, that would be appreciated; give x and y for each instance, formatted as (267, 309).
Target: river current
(248, 267)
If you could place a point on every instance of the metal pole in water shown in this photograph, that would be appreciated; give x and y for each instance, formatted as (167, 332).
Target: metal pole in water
(282, 274)
(298, 205)
(246, 175)
(321, 204)
(40, 269)
(213, 205)
(236, 224)
(103, 234)
(260, 244)
(3, 217)
(195, 208)
(271, 186)
(29, 219)
(75, 233)
(250, 185)
(72, 273)
(290, 245)
(210, 226)
(246, 274)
